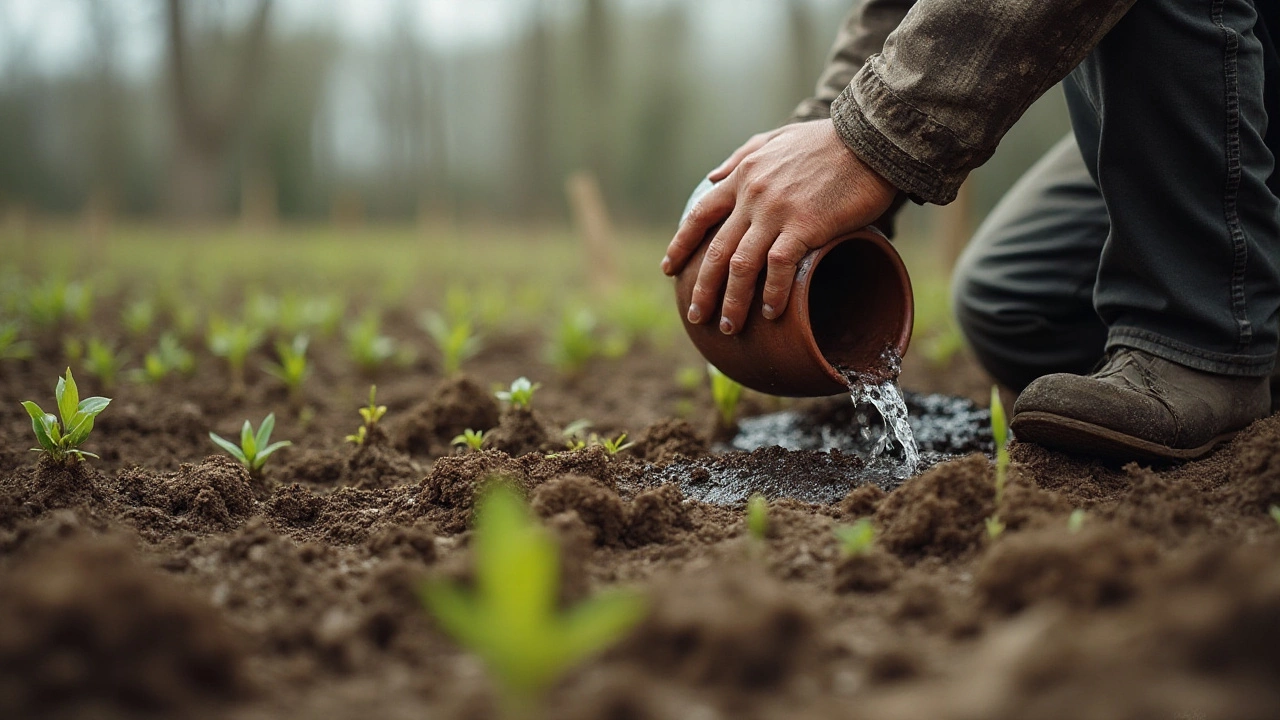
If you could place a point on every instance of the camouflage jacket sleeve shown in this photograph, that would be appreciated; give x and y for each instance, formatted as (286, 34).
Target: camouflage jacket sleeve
(953, 77)
(861, 35)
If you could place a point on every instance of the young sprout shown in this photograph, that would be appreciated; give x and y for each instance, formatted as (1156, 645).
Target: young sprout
(366, 344)
(575, 341)
(1075, 521)
(513, 618)
(233, 342)
(168, 357)
(455, 341)
(11, 348)
(689, 378)
(1275, 513)
(726, 392)
(139, 316)
(617, 445)
(371, 414)
(521, 393)
(575, 434)
(262, 311)
(1000, 431)
(319, 315)
(57, 300)
(254, 448)
(61, 439)
(757, 517)
(856, 539)
(472, 439)
(104, 362)
(292, 369)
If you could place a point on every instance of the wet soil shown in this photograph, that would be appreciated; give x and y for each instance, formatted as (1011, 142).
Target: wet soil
(161, 581)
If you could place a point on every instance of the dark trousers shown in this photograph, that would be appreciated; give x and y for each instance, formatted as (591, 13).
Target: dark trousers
(1157, 225)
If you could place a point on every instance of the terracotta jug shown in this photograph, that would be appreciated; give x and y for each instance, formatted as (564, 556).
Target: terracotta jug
(851, 309)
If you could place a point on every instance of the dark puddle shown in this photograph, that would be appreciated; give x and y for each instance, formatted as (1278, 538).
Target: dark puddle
(819, 455)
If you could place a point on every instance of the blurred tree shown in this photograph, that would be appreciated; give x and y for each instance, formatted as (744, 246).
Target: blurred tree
(206, 121)
(531, 165)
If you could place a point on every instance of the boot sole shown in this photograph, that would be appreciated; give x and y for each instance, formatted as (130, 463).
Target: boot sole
(1077, 436)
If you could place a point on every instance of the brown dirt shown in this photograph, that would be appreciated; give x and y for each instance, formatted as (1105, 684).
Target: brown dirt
(163, 581)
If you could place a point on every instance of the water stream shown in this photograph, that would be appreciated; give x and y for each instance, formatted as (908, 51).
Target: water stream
(890, 441)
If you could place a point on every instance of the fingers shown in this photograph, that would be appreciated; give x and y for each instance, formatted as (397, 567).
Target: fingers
(744, 270)
(755, 143)
(711, 209)
(715, 267)
(783, 258)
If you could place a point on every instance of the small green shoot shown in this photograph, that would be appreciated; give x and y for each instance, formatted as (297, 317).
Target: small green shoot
(233, 342)
(312, 315)
(856, 539)
(368, 348)
(371, 414)
(1275, 513)
(757, 517)
(726, 392)
(472, 439)
(616, 445)
(575, 341)
(11, 348)
(1075, 521)
(61, 439)
(575, 434)
(292, 368)
(104, 362)
(999, 431)
(168, 357)
(521, 393)
(254, 448)
(138, 317)
(455, 341)
(57, 300)
(513, 619)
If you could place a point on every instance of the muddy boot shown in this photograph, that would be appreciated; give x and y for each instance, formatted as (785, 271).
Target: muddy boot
(1139, 407)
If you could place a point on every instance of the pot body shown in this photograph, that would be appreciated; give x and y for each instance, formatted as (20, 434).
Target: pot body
(850, 312)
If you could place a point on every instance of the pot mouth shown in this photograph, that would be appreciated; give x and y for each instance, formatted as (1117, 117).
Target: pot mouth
(860, 308)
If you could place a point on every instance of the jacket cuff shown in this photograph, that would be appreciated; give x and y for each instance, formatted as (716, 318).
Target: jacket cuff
(896, 140)
(811, 109)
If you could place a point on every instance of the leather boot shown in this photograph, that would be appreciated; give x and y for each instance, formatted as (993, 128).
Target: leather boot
(1139, 407)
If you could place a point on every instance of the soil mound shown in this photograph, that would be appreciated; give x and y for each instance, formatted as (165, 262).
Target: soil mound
(669, 440)
(52, 486)
(84, 630)
(598, 506)
(456, 405)
(520, 431)
(217, 494)
(941, 512)
(377, 466)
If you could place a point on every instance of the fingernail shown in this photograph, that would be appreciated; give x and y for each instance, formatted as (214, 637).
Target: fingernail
(769, 313)
(666, 264)
(726, 326)
(695, 314)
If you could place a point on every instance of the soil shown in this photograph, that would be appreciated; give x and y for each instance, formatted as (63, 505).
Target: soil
(164, 580)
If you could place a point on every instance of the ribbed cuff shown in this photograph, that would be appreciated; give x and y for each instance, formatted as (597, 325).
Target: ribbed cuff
(868, 101)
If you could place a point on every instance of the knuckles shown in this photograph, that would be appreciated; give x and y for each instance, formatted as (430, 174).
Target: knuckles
(743, 264)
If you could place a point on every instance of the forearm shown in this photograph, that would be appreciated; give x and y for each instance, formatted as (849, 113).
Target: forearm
(954, 77)
(862, 34)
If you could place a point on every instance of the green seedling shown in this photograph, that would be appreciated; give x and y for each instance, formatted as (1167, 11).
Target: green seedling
(616, 445)
(726, 392)
(57, 300)
(454, 340)
(166, 358)
(689, 378)
(856, 539)
(185, 319)
(234, 342)
(757, 517)
(521, 393)
(371, 414)
(575, 434)
(104, 362)
(999, 431)
(513, 619)
(368, 348)
(254, 448)
(11, 348)
(1275, 513)
(472, 439)
(262, 311)
(641, 315)
(1075, 521)
(139, 317)
(575, 342)
(292, 368)
(318, 315)
(61, 439)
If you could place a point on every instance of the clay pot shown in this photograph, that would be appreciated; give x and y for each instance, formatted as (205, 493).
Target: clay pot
(851, 308)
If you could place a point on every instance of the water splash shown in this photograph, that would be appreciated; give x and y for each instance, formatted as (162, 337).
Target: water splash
(893, 435)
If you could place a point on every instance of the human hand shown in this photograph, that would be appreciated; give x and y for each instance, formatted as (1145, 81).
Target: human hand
(784, 193)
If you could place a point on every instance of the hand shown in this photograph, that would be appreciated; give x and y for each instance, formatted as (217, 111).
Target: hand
(784, 193)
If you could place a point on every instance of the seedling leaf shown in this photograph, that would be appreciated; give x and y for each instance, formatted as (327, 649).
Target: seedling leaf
(230, 447)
